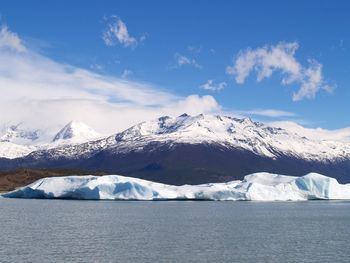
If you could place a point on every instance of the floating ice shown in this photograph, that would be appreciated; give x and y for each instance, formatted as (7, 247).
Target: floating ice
(255, 187)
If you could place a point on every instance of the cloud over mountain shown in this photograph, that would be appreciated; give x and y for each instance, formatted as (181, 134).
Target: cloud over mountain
(39, 88)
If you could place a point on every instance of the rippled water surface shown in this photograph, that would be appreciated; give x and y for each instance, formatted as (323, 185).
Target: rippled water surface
(108, 231)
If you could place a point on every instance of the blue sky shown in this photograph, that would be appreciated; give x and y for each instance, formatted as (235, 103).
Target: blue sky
(176, 47)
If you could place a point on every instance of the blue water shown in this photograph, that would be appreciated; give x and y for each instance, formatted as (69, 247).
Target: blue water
(112, 231)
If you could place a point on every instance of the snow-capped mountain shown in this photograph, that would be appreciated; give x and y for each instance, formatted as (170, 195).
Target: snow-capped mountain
(16, 141)
(231, 133)
(75, 132)
(228, 132)
(11, 150)
(17, 135)
(193, 149)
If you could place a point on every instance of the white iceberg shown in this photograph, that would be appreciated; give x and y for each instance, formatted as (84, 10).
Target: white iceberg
(254, 187)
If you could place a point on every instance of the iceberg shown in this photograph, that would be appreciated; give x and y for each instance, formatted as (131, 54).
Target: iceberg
(254, 187)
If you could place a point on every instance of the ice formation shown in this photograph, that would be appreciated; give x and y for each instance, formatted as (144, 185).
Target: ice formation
(254, 187)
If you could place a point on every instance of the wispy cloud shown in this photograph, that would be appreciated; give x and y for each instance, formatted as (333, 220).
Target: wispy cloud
(194, 49)
(10, 40)
(212, 86)
(314, 133)
(126, 73)
(117, 32)
(47, 94)
(96, 67)
(182, 60)
(143, 37)
(281, 57)
(267, 113)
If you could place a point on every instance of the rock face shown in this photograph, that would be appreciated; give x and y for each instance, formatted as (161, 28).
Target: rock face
(194, 150)
(256, 187)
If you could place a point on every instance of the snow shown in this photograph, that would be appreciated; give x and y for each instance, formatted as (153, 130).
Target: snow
(342, 135)
(11, 150)
(254, 187)
(75, 132)
(16, 141)
(77, 139)
(17, 135)
(230, 132)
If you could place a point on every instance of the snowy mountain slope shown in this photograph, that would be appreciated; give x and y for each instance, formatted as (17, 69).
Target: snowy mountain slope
(256, 187)
(17, 135)
(11, 150)
(231, 133)
(16, 141)
(75, 132)
(342, 135)
(194, 150)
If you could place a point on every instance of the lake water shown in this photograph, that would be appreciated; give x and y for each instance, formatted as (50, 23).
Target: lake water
(112, 231)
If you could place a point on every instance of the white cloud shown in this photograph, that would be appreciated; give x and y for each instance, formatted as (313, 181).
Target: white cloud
(143, 37)
(281, 57)
(10, 40)
(126, 73)
(182, 60)
(210, 85)
(194, 49)
(268, 113)
(197, 104)
(317, 133)
(96, 67)
(47, 94)
(312, 82)
(117, 31)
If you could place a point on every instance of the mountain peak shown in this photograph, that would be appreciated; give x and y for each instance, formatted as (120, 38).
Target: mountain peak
(184, 115)
(14, 133)
(75, 131)
(229, 132)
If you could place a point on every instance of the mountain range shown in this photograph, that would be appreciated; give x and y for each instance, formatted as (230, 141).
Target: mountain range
(178, 150)
(16, 141)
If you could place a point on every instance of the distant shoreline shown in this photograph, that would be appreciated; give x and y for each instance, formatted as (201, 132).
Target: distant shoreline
(12, 180)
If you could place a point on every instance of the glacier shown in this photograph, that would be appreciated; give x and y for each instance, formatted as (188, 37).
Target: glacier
(254, 187)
